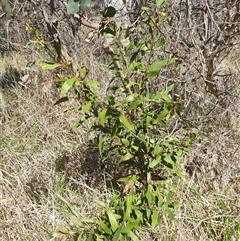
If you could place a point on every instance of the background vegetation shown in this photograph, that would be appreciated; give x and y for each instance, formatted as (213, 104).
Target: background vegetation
(58, 182)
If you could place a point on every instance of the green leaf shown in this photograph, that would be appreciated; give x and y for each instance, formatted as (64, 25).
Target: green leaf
(109, 37)
(7, 7)
(126, 157)
(160, 2)
(112, 220)
(179, 173)
(75, 220)
(115, 129)
(88, 220)
(35, 33)
(125, 141)
(168, 198)
(134, 178)
(132, 236)
(148, 213)
(127, 123)
(117, 234)
(135, 104)
(155, 218)
(157, 150)
(109, 12)
(101, 203)
(104, 227)
(129, 201)
(149, 194)
(169, 212)
(72, 6)
(100, 144)
(159, 196)
(86, 107)
(70, 208)
(125, 42)
(155, 162)
(159, 43)
(177, 204)
(141, 46)
(62, 230)
(166, 97)
(80, 236)
(83, 71)
(169, 159)
(148, 121)
(90, 235)
(67, 85)
(85, 4)
(63, 99)
(144, 8)
(128, 99)
(162, 114)
(134, 65)
(49, 65)
(169, 88)
(92, 84)
(153, 70)
(132, 225)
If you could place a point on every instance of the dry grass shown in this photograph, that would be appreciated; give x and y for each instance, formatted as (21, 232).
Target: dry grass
(40, 155)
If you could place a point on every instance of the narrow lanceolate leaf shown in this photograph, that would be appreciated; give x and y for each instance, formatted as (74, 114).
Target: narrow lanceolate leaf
(169, 213)
(63, 230)
(160, 43)
(134, 105)
(100, 144)
(154, 69)
(71, 209)
(112, 220)
(88, 220)
(126, 157)
(126, 122)
(102, 117)
(155, 218)
(101, 203)
(67, 85)
(75, 220)
(132, 236)
(86, 107)
(117, 234)
(49, 65)
(127, 214)
(162, 114)
(169, 88)
(104, 227)
(63, 99)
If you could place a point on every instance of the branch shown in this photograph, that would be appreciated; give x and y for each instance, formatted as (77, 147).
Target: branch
(84, 21)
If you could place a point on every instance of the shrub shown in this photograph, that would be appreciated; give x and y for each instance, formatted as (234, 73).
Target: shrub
(135, 128)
